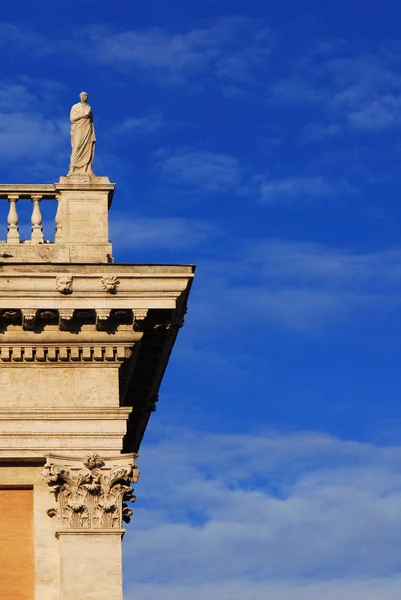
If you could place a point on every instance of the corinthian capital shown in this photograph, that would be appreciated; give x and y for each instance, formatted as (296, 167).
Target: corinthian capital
(91, 492)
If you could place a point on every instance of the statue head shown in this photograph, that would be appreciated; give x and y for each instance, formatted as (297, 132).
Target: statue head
(83, 96)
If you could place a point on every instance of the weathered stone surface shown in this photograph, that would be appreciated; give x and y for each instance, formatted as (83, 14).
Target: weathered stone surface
(84, 344)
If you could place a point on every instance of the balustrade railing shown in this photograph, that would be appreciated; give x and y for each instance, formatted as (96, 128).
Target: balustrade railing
(34, 193)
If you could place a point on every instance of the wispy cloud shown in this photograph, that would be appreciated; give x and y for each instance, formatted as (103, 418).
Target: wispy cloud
(293, 188)
(228, 50)
(29, 136)
(387, 588)
(311, 262)
(207, 171)
(352, 90)
(290, 189)
(166, 233)
(28, 130)
(299, 286)
(151, 123)
(267, 512)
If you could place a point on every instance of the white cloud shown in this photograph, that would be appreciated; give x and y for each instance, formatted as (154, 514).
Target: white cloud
(151, 123)
(376, 115)
(317, 132)
(296, 285)
(30, 126)
(14, 38)
(310, 262)
(231, 49)
(167, 233)
(30, 136)
(355, 91)
(237, 589)
(292, 188)
(302, 188)
(208, 171)
(267, 513)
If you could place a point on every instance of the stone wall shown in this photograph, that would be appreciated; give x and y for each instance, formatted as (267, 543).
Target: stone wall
(16, 544)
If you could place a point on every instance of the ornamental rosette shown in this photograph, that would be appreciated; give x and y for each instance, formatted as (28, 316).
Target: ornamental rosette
(64, 284)
(110, 284)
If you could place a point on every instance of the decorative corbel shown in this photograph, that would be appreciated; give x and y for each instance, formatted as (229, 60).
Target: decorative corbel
(65, 318)
(140, 315)
(28, 319)
(102, 316)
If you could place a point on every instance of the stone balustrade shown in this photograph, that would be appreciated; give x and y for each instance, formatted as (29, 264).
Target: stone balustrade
(81, 221)
(34, 193)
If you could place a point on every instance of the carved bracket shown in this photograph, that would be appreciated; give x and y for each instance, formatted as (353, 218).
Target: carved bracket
(65, 319)
(28, 319)
(91, 493)
(140, 315)
(102, 316)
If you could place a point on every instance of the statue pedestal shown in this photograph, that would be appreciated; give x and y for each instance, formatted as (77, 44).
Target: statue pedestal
(84, 201)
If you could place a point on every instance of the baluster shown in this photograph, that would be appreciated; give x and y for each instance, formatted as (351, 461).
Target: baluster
(12, 220)
(59, 226)
(37, 229)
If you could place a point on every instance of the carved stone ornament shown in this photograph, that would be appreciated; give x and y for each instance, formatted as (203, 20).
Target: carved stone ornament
(102, 316)
(64, 284)
(110, 284)
(28, 319)
(140, 315)
(91, 494)
(65, 319)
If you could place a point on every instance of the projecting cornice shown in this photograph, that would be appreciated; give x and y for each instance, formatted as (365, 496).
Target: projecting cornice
(30, 286)
(77, 317)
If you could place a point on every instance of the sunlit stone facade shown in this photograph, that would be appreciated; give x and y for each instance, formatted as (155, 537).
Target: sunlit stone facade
(84, 344)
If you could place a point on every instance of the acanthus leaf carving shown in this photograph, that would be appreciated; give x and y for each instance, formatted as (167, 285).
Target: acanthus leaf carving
(91, 494)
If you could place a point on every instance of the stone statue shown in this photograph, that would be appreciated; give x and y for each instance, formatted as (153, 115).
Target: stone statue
(82, 137)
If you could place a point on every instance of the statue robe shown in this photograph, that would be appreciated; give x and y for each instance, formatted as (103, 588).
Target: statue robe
(82, 139)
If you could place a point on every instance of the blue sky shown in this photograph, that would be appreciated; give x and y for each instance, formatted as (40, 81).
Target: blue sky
(260, 141)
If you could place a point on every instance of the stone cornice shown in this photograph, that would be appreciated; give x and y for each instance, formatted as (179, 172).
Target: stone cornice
(65, 414)
(36, 286)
